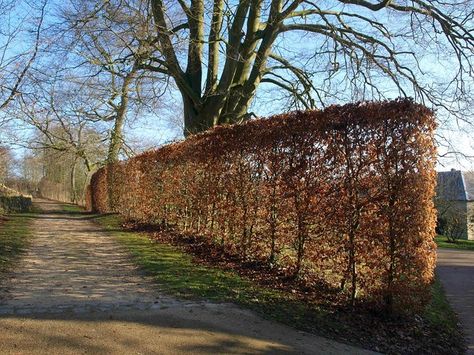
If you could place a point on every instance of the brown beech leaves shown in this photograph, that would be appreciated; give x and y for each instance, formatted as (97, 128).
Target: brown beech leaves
(342, 196)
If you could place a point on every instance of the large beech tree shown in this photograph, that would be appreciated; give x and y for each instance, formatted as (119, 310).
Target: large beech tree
(219, 52)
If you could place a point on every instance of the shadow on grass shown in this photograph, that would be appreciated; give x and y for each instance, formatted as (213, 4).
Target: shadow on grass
(179, 275)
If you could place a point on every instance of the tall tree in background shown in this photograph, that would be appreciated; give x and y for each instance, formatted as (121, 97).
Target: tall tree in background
(21, 24)
(106, 46)
(6, 160)
(232, 47)
(57, 112)
(69, 145)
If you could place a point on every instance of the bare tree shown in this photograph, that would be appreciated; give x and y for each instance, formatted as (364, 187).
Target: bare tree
(372, 49)
(109, 44)
(67, 141)
(21, 25)
(56, 112)
(6, 160)
(68, 156)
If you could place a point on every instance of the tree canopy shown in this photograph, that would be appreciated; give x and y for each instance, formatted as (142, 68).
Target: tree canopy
(219, 53)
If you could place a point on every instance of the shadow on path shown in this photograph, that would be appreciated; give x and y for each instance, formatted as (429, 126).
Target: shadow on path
(76, 290)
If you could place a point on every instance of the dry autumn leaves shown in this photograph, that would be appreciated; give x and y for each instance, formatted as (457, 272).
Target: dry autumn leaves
(342, 197)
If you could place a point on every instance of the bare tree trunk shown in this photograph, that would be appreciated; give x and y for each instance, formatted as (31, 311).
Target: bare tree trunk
(73, 182)
(193, 121)
(116, 136)
(116, 139)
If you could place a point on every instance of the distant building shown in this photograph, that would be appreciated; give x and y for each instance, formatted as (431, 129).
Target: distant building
(455, 202)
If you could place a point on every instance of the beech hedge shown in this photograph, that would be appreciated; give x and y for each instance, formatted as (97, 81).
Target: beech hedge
(342, 197)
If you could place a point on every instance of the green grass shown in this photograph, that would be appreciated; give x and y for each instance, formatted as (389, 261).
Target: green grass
(443, 319)
(439, 311)
(71, 208)
(14, 238)
(462, 244)
(178, 275)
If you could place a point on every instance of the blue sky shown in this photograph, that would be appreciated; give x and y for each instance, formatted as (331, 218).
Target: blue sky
(161, 127)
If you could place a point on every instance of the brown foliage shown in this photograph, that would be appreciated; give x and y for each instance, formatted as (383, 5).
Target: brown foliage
(343, 196)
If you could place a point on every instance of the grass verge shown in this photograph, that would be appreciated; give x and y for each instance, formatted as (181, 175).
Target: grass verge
(440, 314)
(462, 244)
(14, 238)
(180, 275)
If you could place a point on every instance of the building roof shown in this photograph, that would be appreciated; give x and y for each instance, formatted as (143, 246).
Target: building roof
(455, 185)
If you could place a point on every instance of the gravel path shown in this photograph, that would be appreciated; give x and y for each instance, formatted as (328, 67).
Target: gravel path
(76, 291)
(74, 266)
(456, 271)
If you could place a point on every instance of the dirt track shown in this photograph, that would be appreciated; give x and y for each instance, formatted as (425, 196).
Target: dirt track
(76, 291)
(456, 271)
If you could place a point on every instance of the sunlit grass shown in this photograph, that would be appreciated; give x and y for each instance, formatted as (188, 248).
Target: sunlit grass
(177, 274)
(439, 311)
(463, 244)
(14, 238)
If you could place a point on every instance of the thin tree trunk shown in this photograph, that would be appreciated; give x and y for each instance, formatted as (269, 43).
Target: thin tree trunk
(391, 271)
(73, 182)
(116, 136)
